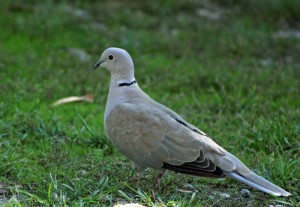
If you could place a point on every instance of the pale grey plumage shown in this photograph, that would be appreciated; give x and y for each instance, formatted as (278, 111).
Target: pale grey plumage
(152, 135)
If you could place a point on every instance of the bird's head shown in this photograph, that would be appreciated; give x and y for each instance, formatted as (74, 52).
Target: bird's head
(116, 60)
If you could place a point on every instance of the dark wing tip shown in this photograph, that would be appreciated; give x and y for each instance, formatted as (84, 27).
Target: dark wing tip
(192, 168)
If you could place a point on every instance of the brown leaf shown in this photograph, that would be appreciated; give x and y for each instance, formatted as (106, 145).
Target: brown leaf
(86, 98)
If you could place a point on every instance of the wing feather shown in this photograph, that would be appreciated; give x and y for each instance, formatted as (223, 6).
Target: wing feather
(152, 137)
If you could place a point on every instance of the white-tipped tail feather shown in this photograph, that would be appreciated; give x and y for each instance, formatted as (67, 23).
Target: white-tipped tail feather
(259, 183)
(234, 168)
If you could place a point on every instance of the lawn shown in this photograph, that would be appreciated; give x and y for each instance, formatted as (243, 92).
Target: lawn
(231, 68)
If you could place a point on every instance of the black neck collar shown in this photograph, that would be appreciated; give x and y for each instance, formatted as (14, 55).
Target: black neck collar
(126, 83)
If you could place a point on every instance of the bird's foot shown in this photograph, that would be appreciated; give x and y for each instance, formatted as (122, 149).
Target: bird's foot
(157, 181)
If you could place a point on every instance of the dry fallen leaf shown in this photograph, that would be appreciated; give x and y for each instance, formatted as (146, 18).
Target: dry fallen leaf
(87, 98)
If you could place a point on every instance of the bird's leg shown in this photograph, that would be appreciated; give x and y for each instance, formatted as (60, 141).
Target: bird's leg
(139, 172)
(156, 184)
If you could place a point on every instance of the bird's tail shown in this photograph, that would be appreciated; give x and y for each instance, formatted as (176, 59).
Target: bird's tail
(259, 183)
(244, 175)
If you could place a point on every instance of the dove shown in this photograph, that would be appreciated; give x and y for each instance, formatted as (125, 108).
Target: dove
(153, 136)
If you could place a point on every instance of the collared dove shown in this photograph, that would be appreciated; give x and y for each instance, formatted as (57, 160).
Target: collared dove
(152, 135)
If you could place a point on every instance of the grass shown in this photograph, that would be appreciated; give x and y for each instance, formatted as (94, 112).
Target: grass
(232, 76)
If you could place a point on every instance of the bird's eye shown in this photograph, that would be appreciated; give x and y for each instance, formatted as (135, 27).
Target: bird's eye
(110, 57)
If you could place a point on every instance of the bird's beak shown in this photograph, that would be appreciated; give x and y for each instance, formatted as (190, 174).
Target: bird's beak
(98, 64)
